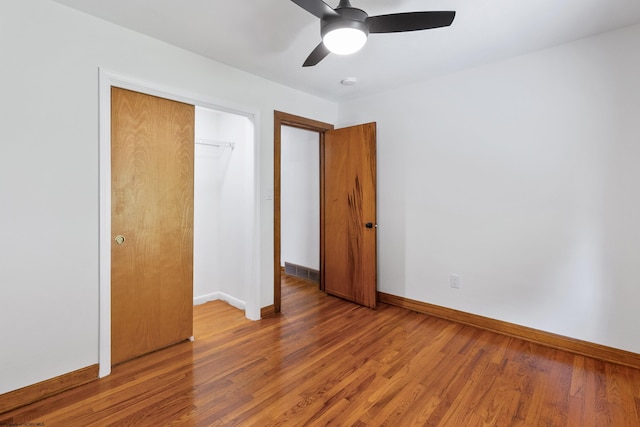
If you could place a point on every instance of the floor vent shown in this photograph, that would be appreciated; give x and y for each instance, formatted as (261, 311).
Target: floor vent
(302, 272)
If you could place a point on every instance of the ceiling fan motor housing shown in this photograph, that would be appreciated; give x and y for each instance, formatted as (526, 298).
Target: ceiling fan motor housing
(349, 17)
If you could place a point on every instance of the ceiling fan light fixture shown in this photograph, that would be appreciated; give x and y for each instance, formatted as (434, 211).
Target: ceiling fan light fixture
(344, 37)
(345, 41)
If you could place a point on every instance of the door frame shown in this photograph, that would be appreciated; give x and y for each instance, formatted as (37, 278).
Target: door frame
(279, 119)
(107, 79)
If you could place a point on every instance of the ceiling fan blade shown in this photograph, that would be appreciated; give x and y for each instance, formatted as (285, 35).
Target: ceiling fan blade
(318, 54)
(410, 21)
(317, 8)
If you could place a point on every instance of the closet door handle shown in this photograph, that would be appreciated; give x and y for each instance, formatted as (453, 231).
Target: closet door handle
(370, 225)
(119, 239)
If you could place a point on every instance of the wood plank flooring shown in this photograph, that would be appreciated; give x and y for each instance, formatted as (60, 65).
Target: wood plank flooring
(325, 361)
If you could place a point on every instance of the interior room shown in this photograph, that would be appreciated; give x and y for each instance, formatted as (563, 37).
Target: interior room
(506, 157)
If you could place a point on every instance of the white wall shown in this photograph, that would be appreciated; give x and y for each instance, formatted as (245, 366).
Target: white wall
(522, 177)
(49, 171)
(300, 197)
(222, 207)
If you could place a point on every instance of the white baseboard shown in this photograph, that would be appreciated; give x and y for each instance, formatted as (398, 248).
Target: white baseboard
(215, 296)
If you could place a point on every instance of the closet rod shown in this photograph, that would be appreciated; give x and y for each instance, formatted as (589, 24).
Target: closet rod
(215, 143)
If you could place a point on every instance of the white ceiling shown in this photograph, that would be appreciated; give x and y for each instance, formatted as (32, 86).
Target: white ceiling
(272, 38)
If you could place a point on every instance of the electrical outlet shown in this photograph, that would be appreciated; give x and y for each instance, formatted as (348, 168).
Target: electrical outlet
(454, 281)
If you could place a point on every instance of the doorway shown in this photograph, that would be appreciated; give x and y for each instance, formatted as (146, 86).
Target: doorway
(180, 187)
(250, 286)
(300, 203)
(284, 119)
(348, 260)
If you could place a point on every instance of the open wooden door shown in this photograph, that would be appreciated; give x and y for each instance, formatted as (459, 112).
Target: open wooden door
(152, 149)
(349, 265)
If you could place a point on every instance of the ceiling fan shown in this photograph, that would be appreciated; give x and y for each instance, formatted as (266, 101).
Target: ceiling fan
(345, 29)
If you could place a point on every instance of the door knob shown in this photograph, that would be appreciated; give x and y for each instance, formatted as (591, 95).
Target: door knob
(369, 225)
(119, 239)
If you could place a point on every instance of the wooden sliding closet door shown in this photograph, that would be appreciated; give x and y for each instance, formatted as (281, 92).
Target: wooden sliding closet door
(152, 157)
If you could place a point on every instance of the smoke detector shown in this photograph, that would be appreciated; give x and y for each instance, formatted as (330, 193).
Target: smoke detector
(349, 81)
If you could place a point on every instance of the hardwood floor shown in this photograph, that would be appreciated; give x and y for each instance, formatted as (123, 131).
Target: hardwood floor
(324, 361)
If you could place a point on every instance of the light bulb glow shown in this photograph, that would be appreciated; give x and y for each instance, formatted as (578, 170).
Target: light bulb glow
(345, 41)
